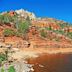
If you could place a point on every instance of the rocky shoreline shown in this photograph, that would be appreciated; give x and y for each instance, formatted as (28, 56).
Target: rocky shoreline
(18, 57)
(19, 66)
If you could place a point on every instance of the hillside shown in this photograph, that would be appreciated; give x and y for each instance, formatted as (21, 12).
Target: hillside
(22, 29)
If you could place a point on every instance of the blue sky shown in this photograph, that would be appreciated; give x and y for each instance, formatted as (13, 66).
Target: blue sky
(60, 9)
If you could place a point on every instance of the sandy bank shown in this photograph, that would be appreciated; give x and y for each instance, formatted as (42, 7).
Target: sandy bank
(47, 50)
(35, 52)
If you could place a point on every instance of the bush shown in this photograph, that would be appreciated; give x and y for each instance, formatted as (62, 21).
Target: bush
(2, 70)
(59, 32)
(11, 69)
(23, 27)
(63, 25)
(69, 34)
(43, 33)
(48, 28)
(2, 57)
(7, 18)
(1, 19)
(18, 34)
(8, 32)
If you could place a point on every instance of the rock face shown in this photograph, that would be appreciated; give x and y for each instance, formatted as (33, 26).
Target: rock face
(24, 13)
(2, 39)
(55, 31)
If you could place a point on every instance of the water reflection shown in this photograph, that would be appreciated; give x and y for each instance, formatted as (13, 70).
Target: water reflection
(52, 63)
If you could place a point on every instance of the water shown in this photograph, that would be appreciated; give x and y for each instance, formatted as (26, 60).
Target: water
(52, 63)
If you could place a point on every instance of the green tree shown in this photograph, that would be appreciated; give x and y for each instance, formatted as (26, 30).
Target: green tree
(19, 22)
(23, 27)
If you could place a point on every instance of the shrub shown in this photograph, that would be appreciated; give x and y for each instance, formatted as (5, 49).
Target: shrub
(8, 32)
(2, 57)
(43, 33)
(1, 19)
(7, 18)
(18, 34)
(11, 69)
(48, 28)
(63, 25)
(2, 70)
(23, 27)
(59, 32)
(69, 34)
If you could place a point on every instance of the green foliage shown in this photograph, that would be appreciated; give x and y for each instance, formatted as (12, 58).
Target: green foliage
(2, 70)
(23, 27)
(59, 31)
(69, 34)
(6, 18)
(6, 54)
(43, 33)
(14, 19)
(18, 34)
(8, 32)
(1, 18)
(11, 69)
(64, 25)
(2, 57)
(49, 28)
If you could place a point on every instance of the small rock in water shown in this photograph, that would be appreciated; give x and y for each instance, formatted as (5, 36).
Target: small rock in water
(32, 69)
(41, 65)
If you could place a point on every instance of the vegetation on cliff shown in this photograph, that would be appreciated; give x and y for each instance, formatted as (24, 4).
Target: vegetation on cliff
(23, 25)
